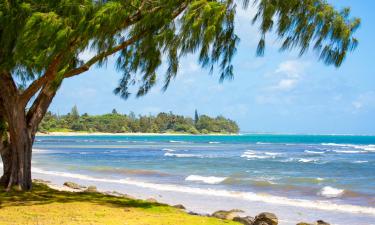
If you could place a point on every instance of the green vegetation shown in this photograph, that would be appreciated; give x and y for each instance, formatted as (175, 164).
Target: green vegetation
(122, 123)
(44, 206)
(42, 41)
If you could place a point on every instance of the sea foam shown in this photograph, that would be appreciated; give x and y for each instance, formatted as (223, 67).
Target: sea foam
(207, 180)
(313, 152)
(250, 196)
(331, 192)
(182, 155)
(250, 154)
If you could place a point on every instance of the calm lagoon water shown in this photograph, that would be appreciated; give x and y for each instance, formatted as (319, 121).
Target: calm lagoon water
(331, 173)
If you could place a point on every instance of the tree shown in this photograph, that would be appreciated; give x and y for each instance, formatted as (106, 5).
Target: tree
(41, 42)
(74, 113)
(114, 111)
(196, 117)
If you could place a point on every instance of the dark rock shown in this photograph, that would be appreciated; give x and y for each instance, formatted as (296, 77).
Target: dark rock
(248, 220)
(40, 181)
(179, 206)
(197, 214)
(73, 185)
(227, 215)
(118, 194)
(266, 218)
(319, 222)
(91, 189)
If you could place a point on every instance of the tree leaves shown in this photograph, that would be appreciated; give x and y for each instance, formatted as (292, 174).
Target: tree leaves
(161, 31)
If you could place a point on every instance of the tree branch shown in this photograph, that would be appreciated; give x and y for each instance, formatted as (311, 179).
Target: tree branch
(38, 83)
(40, 106)
(85, 67)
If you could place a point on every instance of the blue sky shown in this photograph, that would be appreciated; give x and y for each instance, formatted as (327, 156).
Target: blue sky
(280, 92)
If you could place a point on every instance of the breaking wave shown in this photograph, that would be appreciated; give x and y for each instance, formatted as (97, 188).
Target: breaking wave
(249, 196)
(207, 180)
(331, 192)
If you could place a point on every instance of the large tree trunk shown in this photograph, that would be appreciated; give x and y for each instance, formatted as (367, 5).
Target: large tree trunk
(18, 159)
(21, 128)
(6, 159)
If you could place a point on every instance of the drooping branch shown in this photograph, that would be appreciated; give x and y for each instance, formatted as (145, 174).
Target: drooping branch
(85, 67)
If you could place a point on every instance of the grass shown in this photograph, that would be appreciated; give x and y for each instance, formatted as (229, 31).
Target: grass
(43, 206)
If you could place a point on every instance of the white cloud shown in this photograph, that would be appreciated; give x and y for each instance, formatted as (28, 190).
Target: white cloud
(286, 84)
(292, 68)
(357, 104)
(364, 100)
(290, 73)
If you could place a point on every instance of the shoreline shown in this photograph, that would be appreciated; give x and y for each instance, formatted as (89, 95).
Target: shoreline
(40, 134)
(203, 204)
(225, 213)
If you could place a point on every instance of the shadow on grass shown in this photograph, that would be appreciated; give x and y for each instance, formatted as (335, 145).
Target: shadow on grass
(42, 194)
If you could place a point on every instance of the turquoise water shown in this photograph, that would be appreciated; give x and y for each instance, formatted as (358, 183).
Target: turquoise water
(335, 169)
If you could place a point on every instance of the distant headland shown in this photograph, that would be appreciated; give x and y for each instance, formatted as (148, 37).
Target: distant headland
(117, 123)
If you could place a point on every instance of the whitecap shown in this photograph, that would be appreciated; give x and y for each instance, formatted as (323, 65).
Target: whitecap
(369, 148)
(360, 161)
(250, 154)
(171, 141)
(313, 152)
(348, 151)
(207, 180)
(168, 150)
(36, 150)
(214, 142)
(331, 192)
(306, 160)
(182, 155)
(273, 153)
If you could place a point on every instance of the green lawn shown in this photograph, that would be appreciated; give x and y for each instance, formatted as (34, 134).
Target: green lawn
(43, 205)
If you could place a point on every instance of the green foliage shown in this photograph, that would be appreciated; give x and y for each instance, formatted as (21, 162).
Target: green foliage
(118, 123)
(34, 33)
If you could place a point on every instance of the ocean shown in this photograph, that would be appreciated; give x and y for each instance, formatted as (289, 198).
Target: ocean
(330, 177)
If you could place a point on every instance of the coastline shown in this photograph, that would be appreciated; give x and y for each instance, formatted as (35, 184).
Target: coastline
(199, 202)
(125, 134)
(201, 196)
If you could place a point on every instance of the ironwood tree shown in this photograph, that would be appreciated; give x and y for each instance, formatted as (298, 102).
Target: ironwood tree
(42, 41)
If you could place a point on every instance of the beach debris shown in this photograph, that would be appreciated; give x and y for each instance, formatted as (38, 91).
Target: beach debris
(91, 189)
(73, 185)
(247, 220)
(41, 181)
(118, 194)
(227, 215)
(266, 218)
(179, 206)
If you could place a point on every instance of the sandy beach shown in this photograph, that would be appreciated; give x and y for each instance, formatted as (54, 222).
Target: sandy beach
(206, 203)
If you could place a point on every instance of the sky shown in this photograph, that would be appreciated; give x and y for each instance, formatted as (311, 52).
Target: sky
(278, 93)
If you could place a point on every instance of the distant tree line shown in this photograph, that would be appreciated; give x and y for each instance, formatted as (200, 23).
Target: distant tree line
(122, 123)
